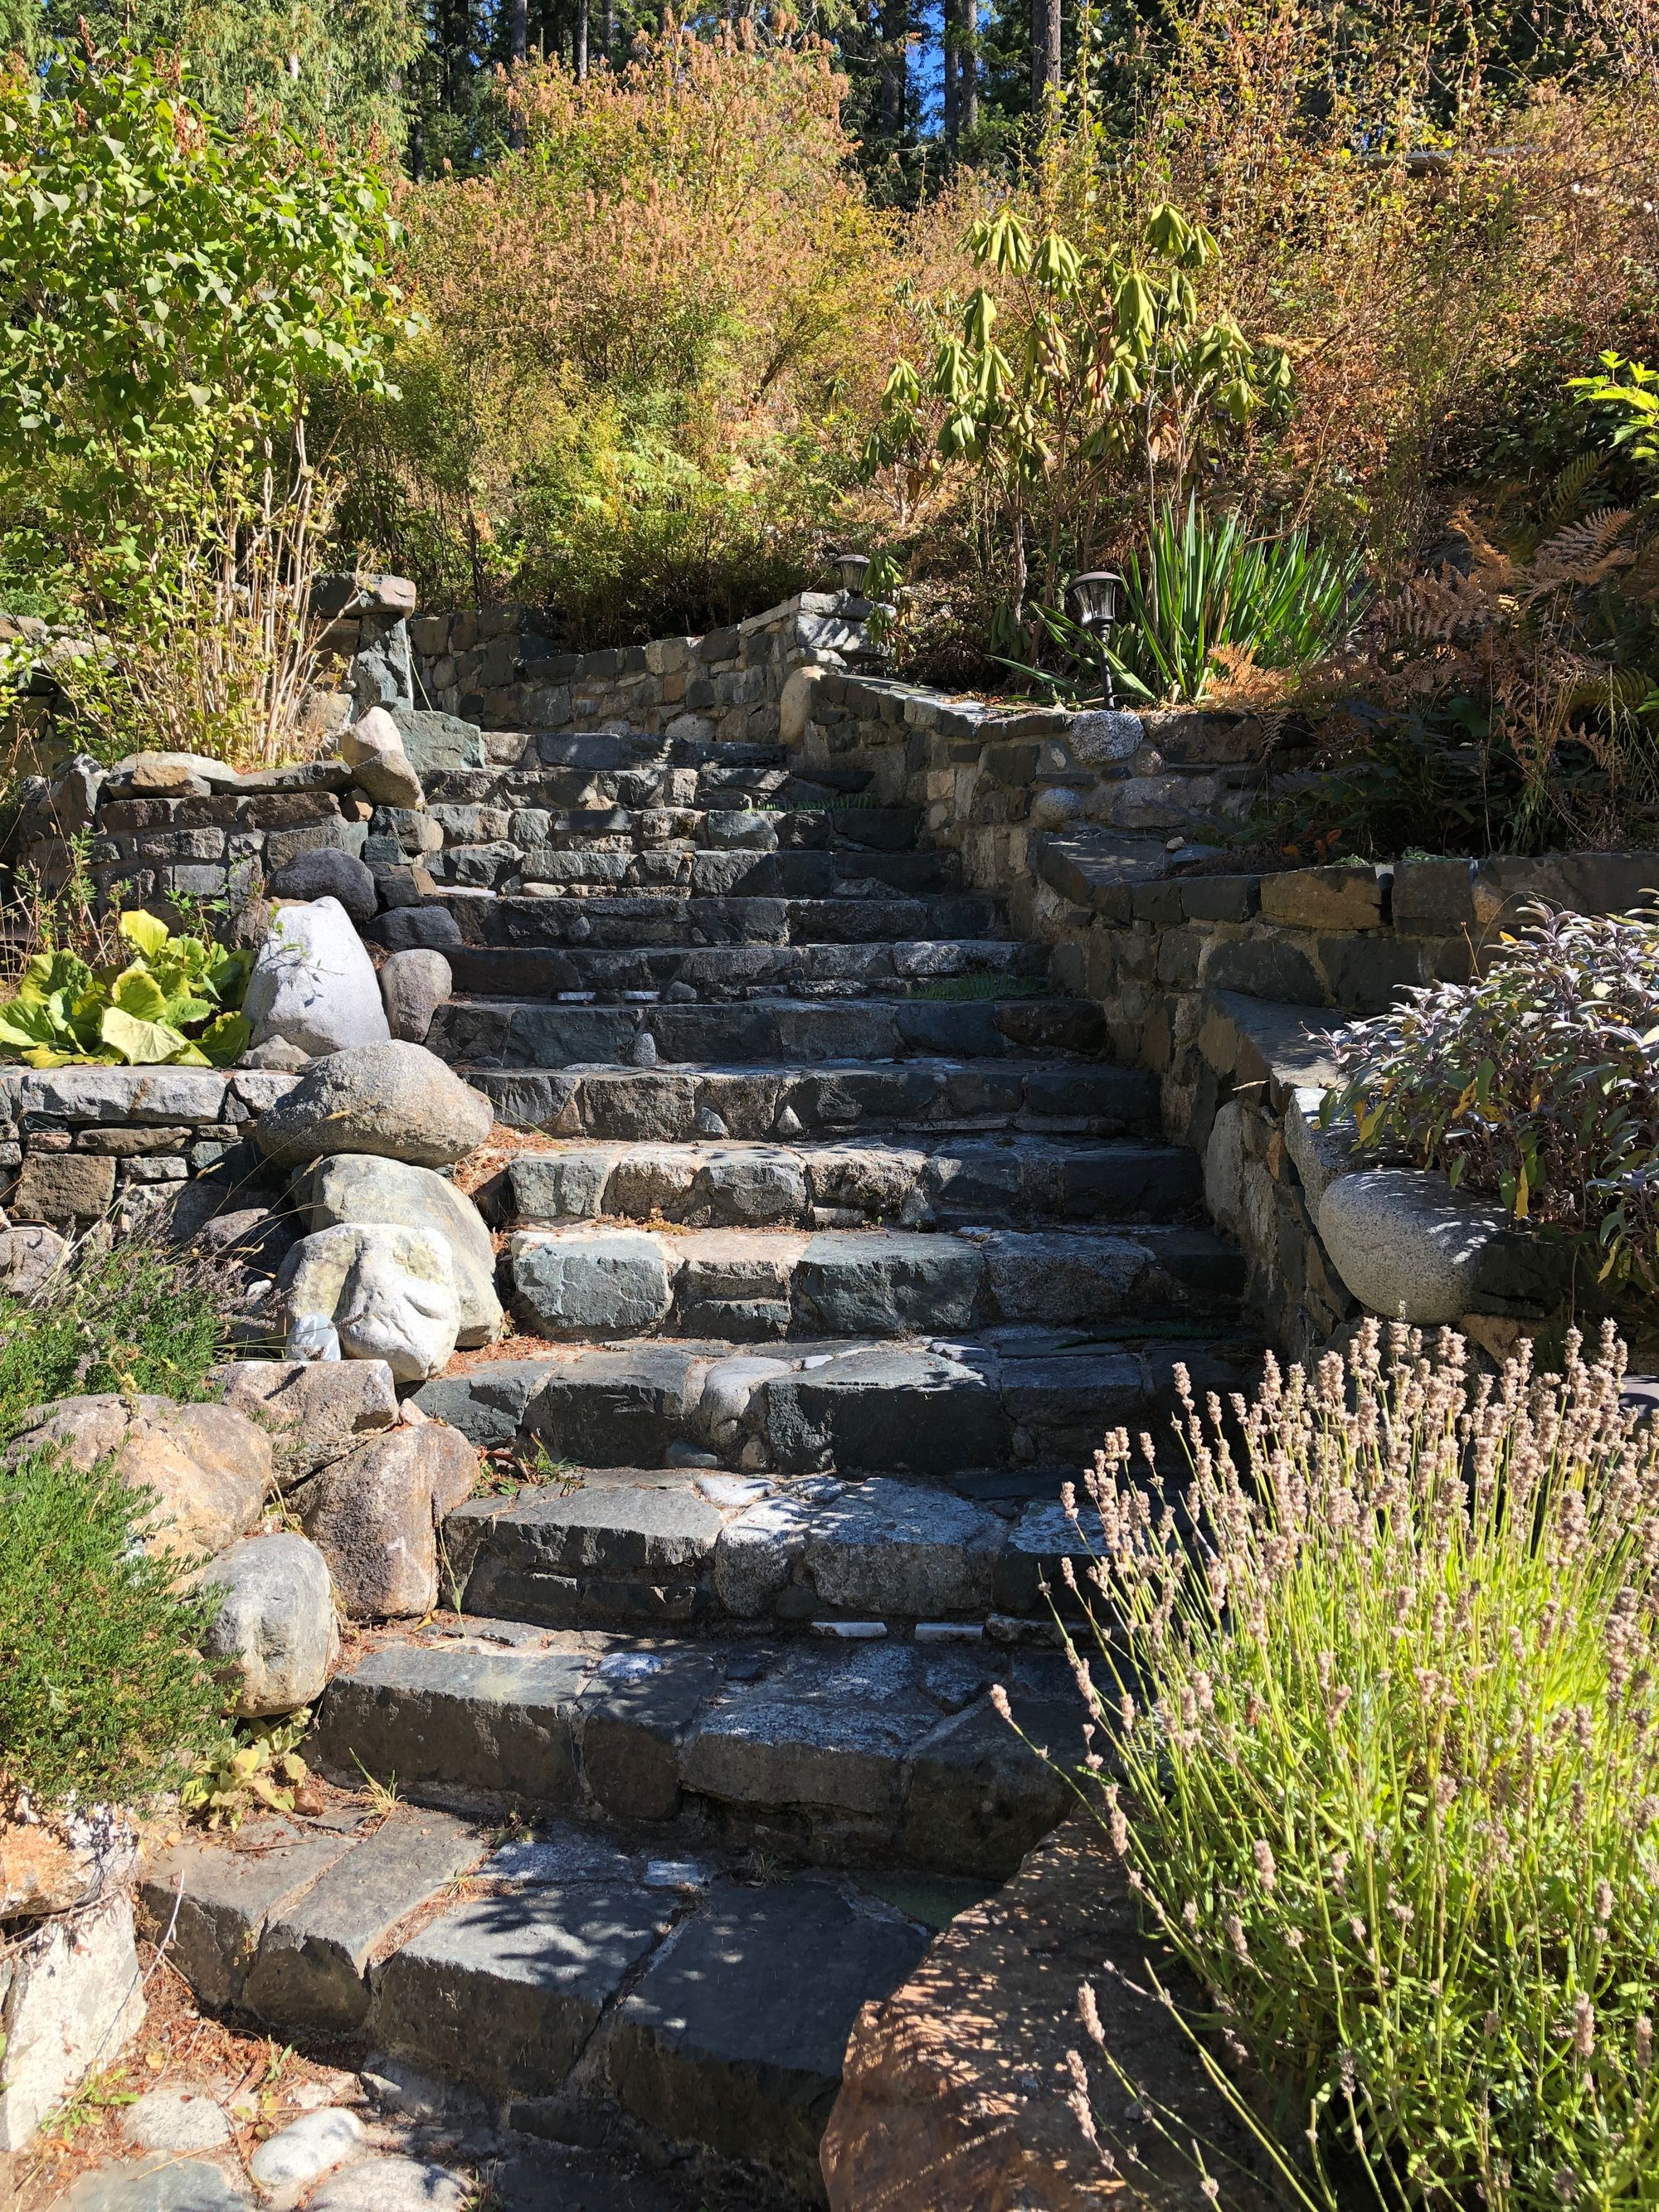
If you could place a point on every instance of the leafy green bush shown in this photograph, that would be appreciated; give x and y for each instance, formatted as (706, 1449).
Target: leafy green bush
(1388, 1749)
(135, 1318)
(1537, 1083)
(175, 1003)
(103, 1688)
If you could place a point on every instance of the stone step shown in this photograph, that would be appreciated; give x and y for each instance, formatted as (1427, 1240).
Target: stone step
(614, 831)
(477, 918)
(479, 1033)
(834, 1753)
(926, 1407)
(943, 1182)
(716, 974)
(591, 1282)
(708, 786)
(564, 1972)
(834, 1098)
(678, 871)
(674, 1548)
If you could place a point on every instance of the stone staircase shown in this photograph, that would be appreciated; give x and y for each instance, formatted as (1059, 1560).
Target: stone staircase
(834, 1247)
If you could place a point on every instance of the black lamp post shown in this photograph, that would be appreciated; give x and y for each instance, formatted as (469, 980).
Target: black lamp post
(1094, 597)
(853, 568)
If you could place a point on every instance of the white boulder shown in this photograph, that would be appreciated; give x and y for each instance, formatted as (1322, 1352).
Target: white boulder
(276, 1622)
(390, 1291)
(313, 984)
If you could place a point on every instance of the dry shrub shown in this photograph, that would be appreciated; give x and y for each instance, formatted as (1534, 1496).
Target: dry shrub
(657, 332)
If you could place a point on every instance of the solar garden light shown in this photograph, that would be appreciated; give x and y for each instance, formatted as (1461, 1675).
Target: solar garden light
(1094, 598)
(853, 568)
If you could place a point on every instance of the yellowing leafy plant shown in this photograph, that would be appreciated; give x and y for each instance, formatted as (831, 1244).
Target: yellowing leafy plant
(263, 1768)
(176, 1002)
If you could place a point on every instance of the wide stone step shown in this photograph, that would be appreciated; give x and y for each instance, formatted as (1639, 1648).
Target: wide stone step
(706, 784)
(479, 1033)
(612, 831)
(716, 974)
(837, 1753)
(679, 870)
(677, 1547)
(664, 1105)
(587, 1282)
(925, 1406)
(479, 919)
(940, 1182)
(572, 1966)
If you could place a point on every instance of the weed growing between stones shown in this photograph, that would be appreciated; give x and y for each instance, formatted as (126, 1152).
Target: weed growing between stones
(135, 1319)
(1385, 1768)
(103, 1691)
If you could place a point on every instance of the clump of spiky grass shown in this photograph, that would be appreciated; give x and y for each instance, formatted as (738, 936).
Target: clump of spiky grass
(1380, 1693)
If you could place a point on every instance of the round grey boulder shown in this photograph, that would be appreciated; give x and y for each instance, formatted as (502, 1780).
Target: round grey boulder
(396, 1100)
(1405, 1243)
(329, 873)
(276, 1622)
(413, 986)
(30, 1255)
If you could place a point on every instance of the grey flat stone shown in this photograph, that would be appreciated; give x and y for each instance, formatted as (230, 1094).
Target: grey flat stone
(823, 1729)
(178, 2120)
(622, 1529)
(617, 1408)
(466, 1719)
(886, 1546)
(591, 1286)
(312, 1967)
(488, 1404)
(725, 2041)
(558, 1853)
(504, 1991)
(884, 1409)
(879, 1283)
(1405, 1242)
(231, 1889)
(161, 2182)
(632, 1722)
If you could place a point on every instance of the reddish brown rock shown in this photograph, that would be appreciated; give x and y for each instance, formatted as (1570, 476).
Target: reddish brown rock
(954, 2095)
(208, 1466)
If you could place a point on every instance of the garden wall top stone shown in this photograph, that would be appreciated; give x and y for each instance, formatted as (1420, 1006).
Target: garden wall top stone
(161, 1095)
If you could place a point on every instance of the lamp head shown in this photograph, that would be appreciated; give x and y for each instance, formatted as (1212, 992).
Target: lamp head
(853, 568)
(1094, 597)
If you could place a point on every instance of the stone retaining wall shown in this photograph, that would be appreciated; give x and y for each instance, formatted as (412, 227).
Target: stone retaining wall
(81, 1145)
(493, 666)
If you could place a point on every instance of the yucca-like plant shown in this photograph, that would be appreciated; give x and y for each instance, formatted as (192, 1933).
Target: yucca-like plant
(1205, 583)
(1378, 1692)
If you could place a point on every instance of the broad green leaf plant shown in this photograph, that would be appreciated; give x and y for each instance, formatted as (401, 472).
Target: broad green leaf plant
(1113, 369)
(176, 1002)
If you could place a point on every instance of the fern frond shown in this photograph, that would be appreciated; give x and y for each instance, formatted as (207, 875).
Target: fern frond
(1582, 554)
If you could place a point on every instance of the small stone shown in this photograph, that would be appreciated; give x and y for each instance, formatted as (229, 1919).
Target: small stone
(644, 1054)
(29, 1256)
(313, 983)
(327, 872)
(709, 1124)
(308, 2148)
(276, 1622)
(850, 1631)
(176, 2119)
(373, 749)
(277, 1054)
(374, 1516)
(413, 986)
(788, 1123)
(394, 2185)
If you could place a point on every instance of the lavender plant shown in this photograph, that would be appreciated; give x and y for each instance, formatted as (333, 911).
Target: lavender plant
(1387, 1769)
(1538, 1082)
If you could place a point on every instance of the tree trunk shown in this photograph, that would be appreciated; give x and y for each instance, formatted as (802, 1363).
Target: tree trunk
(607, 31)
(968, 69)
(518, 32)
(952, 58)
(894, 31)
(1045, 53)
(579, 42)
